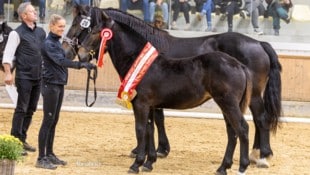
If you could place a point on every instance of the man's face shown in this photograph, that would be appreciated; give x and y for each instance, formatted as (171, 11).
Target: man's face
(30, 14)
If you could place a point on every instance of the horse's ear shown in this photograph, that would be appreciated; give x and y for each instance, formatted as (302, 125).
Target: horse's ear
(105, 16)
(77, 9)
(108, 20)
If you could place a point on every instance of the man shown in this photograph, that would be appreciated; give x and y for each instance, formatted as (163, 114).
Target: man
(25, 44)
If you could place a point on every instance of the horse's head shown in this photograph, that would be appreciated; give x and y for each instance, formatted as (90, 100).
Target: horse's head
(4, 33)
(85, 19)
(79, 28)
(91, 42)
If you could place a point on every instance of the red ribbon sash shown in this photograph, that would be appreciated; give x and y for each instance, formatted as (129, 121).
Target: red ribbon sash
(135, 74)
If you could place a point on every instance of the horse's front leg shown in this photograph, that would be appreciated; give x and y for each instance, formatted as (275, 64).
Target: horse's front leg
(141, 113)
(150, 147)
(163, 142)
(163, 148)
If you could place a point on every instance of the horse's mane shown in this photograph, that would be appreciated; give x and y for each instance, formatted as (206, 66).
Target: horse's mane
(158, 37)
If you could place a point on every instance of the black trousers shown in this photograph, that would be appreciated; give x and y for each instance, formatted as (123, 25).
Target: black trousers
(52, 101)
(28, 97)
(181, 6)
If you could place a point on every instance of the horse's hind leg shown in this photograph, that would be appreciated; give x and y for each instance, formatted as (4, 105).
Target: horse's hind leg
(230, 149)
(236, 127)
(163, 148)
(261, 145)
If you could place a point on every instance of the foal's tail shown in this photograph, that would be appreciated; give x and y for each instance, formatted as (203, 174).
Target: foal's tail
(272, 94)
(248, 91)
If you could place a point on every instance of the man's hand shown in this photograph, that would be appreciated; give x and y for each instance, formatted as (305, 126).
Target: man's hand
(8, 77)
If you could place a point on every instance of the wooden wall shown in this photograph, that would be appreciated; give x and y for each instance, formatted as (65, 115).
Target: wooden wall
(295, 78)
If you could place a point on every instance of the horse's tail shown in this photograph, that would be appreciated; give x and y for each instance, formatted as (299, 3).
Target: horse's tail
(272, 94)
(245, 101)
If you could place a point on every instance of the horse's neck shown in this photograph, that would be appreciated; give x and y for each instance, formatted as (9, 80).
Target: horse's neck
(123, 54)
(159, 38)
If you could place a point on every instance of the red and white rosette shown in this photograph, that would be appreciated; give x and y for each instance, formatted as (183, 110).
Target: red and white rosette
(106, 34)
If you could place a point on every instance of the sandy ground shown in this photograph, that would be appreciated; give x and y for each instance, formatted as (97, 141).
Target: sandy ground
(97, 144)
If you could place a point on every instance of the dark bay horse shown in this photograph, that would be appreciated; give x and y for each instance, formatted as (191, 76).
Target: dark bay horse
(211, 75)
(4, 34)
(258, 56)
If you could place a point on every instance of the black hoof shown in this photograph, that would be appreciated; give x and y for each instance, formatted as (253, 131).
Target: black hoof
(146, 169)
(147, 166)
(220, 172)
(133, 153)
(132, 171)
(162, 153)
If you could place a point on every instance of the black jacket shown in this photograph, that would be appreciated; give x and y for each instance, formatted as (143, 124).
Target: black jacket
(55, 64)
(28, 55)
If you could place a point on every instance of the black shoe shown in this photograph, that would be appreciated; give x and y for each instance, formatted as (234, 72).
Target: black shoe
(29, 148)
(287, 20)
(24, 153)
(45, 163)
(244, 14)
(276, 32)
(55, 160)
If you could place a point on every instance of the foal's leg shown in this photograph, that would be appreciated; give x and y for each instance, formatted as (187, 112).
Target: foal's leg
(261, 145)
(236, 127)
(163, 142)
(150, 147)
(141, 113)
(230, 149)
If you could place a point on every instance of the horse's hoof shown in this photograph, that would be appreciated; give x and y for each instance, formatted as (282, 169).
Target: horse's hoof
(146, 169)
(162, 154)
(220, 173)
(262, 163)
(132, 171)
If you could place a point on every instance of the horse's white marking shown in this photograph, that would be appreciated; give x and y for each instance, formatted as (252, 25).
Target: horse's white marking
(262, 163)
(240, 173)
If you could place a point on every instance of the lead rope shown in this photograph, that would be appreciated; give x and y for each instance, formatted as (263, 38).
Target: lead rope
(105, 34)
(91, 77)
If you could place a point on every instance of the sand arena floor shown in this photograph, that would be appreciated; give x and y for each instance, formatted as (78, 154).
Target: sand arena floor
(97, 144)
